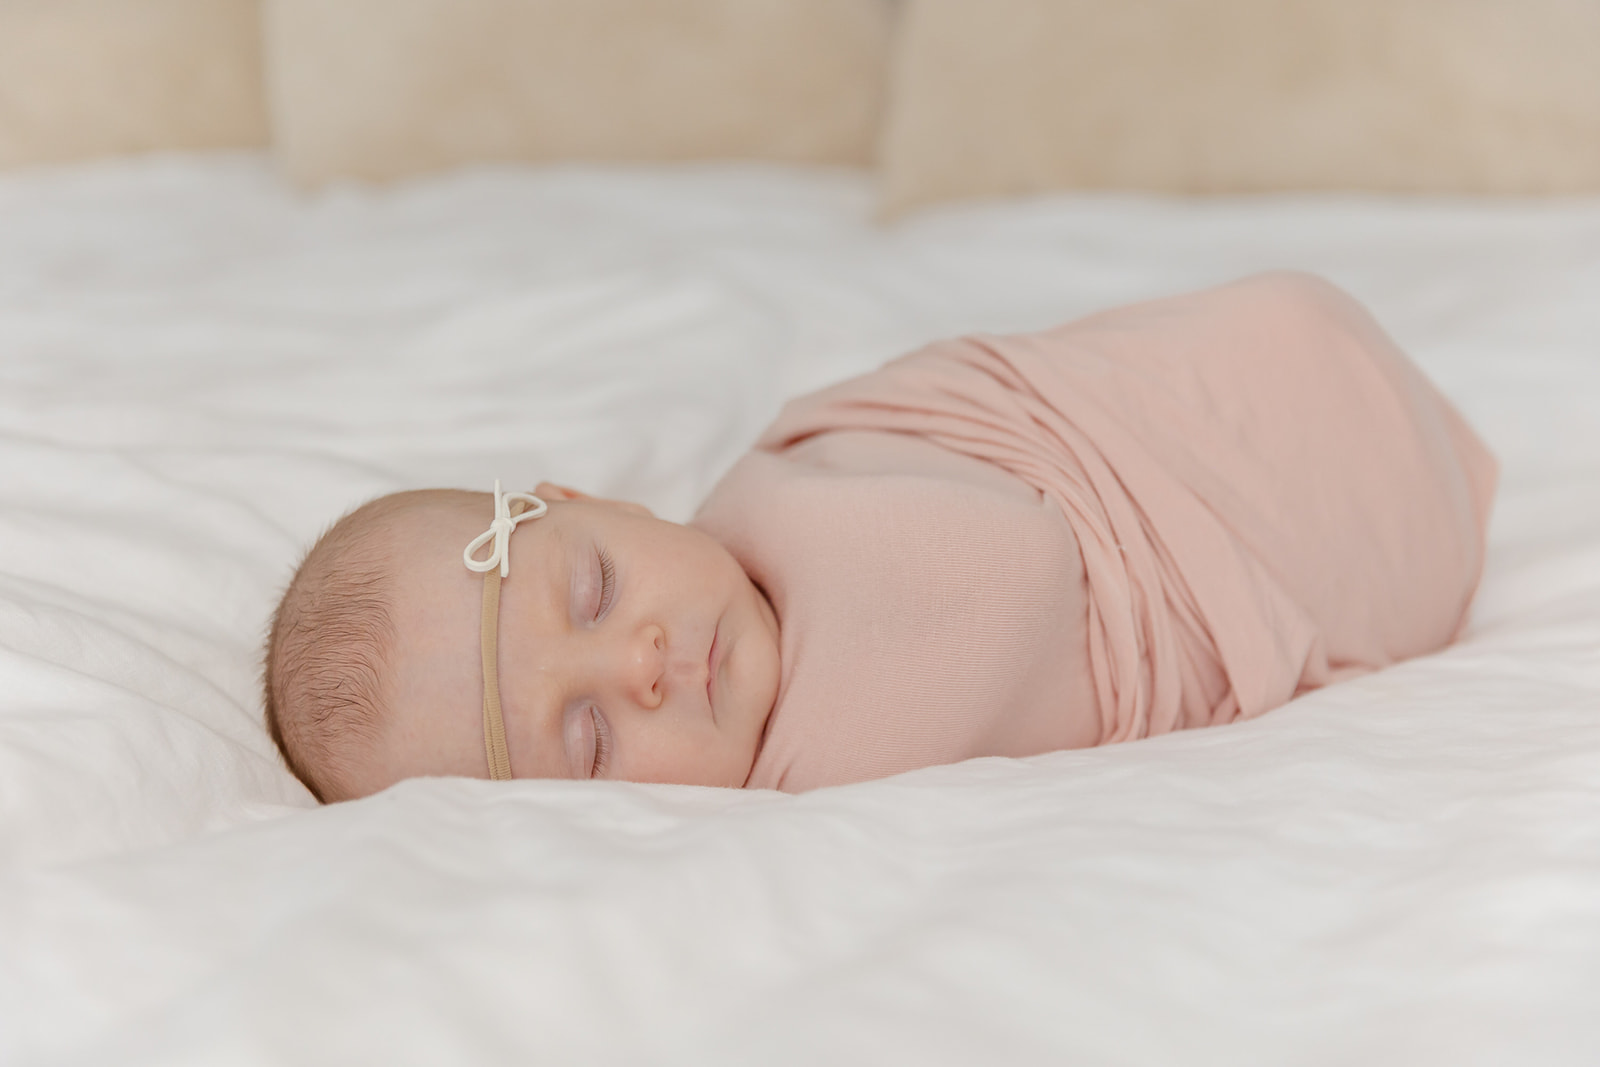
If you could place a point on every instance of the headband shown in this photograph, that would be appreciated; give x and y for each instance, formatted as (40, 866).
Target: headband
(494, 568)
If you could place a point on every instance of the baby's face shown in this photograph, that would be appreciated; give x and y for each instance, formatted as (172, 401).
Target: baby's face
(630, 648)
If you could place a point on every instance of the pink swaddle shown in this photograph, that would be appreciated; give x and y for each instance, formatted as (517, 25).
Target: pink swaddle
(1256, 494)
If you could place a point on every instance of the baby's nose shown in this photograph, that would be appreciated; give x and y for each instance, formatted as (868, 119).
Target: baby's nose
(644, 666)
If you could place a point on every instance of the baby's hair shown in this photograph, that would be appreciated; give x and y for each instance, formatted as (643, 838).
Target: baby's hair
(327, 648)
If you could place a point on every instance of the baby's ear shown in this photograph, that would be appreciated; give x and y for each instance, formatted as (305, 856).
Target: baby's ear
(628, 505)
(551, 491)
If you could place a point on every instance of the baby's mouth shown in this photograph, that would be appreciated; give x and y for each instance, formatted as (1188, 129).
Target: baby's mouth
(711, 669)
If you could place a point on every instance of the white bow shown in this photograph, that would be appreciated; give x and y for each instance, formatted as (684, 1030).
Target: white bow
(500, 532)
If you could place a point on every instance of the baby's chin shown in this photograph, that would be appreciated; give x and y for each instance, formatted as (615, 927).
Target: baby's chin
(758, 660)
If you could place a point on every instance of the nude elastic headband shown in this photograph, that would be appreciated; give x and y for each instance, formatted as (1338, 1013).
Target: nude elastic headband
(496, 567)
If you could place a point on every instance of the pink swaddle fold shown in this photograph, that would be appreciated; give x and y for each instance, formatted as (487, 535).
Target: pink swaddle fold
(1264, 494)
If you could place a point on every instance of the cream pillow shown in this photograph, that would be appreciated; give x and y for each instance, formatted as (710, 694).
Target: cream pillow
(81, 78)
(1017, 96)
(385, 88)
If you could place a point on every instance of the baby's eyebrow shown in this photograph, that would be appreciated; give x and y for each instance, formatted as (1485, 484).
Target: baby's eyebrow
(565, 565)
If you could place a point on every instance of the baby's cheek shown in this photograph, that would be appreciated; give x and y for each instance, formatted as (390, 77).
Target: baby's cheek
(698, 757)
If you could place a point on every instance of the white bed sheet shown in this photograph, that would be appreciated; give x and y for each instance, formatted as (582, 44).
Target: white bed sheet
(199, 369)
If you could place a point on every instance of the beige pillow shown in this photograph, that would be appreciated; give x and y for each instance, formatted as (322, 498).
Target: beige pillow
(1017, 96)
(385, 88)
(81, 78)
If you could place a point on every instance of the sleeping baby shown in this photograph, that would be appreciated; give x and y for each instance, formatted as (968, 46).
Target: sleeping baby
(1176, 514)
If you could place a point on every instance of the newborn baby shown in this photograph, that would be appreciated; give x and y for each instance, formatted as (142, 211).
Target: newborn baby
(1176, 514)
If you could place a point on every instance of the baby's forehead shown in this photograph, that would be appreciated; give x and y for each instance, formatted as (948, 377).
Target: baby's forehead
(426, 558)
(434, 684)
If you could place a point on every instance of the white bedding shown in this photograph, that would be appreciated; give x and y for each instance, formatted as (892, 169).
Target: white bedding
(199, 369)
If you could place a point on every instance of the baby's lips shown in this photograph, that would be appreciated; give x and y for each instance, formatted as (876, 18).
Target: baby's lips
(712, 656)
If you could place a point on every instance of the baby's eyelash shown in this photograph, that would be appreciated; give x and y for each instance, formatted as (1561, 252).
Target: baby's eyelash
(608, 585)
(602, 744)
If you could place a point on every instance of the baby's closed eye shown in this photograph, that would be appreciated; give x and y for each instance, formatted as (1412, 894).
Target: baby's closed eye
(587, 737)
(606, 585)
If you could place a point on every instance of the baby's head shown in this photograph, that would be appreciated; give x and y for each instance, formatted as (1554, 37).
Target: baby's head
(629, 647)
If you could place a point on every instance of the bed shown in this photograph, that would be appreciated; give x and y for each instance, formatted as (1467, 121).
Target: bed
(200, 368)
